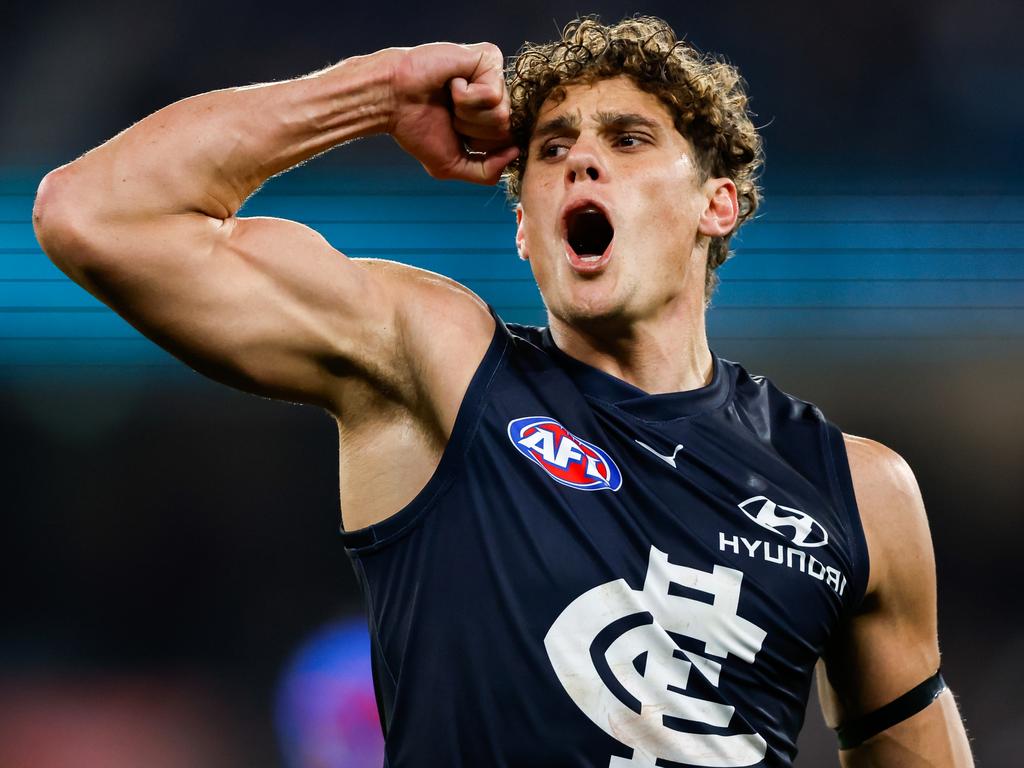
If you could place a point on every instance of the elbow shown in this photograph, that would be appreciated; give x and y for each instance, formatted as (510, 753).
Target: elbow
(54, 218)
(60, 220)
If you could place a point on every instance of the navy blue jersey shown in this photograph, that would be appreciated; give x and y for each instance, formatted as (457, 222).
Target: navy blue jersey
(597, 577)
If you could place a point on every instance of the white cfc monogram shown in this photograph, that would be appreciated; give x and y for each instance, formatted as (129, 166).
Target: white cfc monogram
(665, 675)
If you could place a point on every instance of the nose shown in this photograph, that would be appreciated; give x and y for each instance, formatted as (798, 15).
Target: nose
(583, 163)
(589, 172)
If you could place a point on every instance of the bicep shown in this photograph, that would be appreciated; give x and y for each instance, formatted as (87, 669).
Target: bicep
(262, 304)
(891, 644)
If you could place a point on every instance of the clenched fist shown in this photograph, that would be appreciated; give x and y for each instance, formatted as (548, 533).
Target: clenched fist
(451, 110)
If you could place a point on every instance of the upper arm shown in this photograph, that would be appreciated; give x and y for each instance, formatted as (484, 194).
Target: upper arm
(891, 645)
(266, 305)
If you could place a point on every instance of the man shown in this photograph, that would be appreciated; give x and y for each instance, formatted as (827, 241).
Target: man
(595, 544)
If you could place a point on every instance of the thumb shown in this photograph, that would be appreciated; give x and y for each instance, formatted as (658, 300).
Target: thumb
(486, 169)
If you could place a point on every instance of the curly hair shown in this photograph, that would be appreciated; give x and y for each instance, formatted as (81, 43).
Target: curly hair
(706, 95)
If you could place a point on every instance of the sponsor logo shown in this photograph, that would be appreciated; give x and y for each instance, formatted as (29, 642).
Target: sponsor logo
(792, 524)
(670, 460)
(784, 556)
(615, 651)
(566, 458)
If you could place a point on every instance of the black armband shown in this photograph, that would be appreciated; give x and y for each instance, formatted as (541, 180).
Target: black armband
(856, 732)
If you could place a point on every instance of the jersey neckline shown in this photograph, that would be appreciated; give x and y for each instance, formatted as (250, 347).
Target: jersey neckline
(598, 385)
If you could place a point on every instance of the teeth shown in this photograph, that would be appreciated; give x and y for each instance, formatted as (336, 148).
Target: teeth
(589, 258)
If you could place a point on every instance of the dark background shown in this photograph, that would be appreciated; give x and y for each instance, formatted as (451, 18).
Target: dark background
(169, 542)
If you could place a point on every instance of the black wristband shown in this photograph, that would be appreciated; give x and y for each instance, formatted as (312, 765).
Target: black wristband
(856, 732)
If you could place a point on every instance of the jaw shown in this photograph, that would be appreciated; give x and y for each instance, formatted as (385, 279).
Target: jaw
(584, 291)
(635, 280)
(622, 297)
(595, 299)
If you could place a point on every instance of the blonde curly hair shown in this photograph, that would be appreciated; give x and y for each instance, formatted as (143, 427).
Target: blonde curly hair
(706, 95)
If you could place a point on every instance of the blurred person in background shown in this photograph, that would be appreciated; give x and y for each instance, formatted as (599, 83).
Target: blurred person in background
(595, 543)
(326, 713)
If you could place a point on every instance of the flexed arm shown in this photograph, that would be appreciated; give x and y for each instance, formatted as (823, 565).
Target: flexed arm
(147, 221)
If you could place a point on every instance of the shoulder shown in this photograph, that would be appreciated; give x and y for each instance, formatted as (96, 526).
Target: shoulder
(894, 519)
(421, 295)
(877, 467)
(430, 308)
(436, 332)
(892, 512)
(765, 399)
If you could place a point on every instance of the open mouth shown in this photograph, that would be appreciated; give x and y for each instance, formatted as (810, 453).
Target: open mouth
(589, 235)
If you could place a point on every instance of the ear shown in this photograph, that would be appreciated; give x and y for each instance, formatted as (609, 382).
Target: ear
(719, 215)
(520, 234)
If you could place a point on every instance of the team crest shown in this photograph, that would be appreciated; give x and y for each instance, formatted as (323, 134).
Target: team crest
(645, 689)
(568, 459)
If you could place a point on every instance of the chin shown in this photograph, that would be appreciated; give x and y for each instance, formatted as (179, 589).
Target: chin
(593, 309)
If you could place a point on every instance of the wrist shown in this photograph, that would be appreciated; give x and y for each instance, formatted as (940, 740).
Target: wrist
(376, 75)
(359, 95)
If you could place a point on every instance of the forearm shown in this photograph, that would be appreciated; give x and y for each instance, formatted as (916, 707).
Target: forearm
(208, 153)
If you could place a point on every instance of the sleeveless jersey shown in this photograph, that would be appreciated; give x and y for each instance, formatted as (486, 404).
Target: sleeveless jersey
(598, 577)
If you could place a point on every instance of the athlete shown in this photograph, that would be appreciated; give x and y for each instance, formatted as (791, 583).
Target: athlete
(595, 544)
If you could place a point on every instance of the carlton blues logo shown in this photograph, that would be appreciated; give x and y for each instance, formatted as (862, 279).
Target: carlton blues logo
(568, 459)
(620, 655)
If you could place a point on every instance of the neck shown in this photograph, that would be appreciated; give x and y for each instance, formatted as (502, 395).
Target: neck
(663, 354)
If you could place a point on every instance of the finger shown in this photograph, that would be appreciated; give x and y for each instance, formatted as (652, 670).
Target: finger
(482, 116)
(473, 129)
(497, 114)
(479, 95)
(490, 64)
(485, 169)
(478, 146)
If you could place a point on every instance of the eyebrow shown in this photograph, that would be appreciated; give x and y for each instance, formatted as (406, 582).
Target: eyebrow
(624, 121)
(569, 123)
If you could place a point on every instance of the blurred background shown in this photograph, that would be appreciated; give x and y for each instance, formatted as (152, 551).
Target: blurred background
(174, 591)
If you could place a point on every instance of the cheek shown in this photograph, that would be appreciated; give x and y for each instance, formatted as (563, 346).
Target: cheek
(665, 231)
(535, 248)
(536, 182)
(539, 222)
(662, 209)
(541, 233)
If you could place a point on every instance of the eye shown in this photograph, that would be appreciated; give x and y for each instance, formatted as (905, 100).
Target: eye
(553, 149)
(629, 140)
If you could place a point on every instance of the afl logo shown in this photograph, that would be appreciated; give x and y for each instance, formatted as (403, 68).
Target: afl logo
(565, 457)
(799, 527)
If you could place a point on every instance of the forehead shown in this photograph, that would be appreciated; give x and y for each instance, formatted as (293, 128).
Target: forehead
(586, 101)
